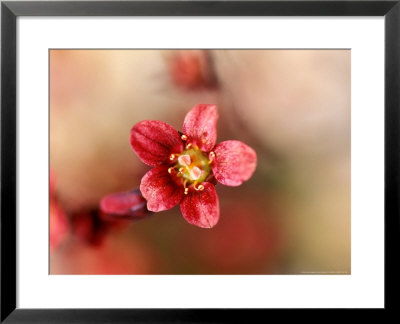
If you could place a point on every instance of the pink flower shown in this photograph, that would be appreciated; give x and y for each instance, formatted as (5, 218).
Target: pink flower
(187, 164)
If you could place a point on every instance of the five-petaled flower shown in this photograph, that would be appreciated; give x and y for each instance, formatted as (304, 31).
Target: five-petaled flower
(187, 165)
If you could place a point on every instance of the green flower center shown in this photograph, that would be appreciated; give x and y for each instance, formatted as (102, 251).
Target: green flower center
(192, 167)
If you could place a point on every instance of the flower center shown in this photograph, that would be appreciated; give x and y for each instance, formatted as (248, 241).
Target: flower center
(191, 168)
(194, 165)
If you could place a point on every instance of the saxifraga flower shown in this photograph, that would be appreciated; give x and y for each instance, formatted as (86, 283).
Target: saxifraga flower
(187, 165)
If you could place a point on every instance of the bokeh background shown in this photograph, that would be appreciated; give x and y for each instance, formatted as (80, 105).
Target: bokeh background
(291, 106)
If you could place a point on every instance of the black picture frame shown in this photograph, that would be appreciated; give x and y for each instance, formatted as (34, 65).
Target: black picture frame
(10, 10)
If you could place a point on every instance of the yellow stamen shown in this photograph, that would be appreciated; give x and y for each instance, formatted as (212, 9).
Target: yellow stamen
(170, 170)
(186, 191)
(211, 157)
(189, 146)
(184, 137)
(199, 188)
(172, 157)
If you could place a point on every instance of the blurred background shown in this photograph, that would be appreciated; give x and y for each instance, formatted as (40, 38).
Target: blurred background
(291, 106)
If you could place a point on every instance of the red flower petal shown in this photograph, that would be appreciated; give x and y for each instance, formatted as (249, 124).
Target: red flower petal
(200, 125)
(201, 208)
(129, 204)
(160, 190)
(154, 141)
(234, 163)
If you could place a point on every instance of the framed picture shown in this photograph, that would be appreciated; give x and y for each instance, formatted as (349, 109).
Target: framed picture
(177, 161)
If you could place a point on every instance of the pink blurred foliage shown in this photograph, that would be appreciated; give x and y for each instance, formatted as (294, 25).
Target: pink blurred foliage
(89, 227)
(114, 256)
(71, 77)
(249, 240)
(93, 226)
(59, 225)
(192, 70)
